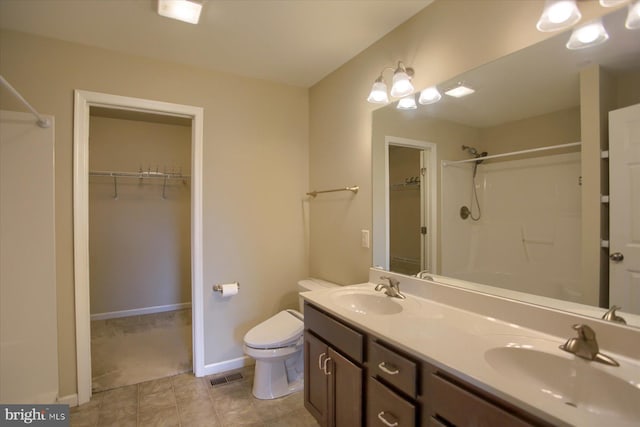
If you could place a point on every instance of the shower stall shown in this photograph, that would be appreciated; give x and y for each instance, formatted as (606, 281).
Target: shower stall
(514, 224)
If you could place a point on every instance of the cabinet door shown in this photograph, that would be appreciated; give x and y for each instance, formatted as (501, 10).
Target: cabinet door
(345, 391)
(316, 382)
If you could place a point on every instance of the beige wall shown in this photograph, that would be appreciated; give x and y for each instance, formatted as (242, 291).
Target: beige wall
(255, 173)
(444, 40)
(139, 243)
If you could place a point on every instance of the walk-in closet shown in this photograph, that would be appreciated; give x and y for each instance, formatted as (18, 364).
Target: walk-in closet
(139, 246)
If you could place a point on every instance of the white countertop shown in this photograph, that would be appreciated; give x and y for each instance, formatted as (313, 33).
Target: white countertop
(457, 341)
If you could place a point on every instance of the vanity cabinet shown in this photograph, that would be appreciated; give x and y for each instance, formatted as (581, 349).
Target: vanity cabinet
(398, 389)
(333, 354)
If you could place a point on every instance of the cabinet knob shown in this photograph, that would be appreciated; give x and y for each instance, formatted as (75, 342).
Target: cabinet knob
(381, 417)
(391, 370)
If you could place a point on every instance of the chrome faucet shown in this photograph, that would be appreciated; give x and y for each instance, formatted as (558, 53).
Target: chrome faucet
(392, 289)
(611, 315)
(586, 346)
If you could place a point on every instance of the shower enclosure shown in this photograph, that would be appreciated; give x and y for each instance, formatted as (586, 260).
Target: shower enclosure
(529, 234)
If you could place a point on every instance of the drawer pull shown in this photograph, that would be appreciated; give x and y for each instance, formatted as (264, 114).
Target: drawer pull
(324, 366)
(320, 360)
(387, 423)
(392, 371)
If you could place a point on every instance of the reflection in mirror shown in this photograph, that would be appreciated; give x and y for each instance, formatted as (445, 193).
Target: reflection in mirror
(512, 222)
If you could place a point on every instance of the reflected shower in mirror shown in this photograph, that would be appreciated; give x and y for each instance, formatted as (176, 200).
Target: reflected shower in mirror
(512, 212)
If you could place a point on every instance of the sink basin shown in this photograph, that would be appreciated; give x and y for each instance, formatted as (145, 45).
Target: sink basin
(367, 302)
(573, 381)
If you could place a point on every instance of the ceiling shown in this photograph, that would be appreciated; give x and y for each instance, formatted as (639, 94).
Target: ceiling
(296, 42)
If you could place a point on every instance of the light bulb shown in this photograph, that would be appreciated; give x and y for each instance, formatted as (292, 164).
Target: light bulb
(591, 34)
(401, 84)
(558, 14)
(407, 103)
(429, 96)
(378, 94)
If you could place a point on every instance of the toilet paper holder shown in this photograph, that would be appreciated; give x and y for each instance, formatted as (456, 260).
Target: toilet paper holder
(218, 288)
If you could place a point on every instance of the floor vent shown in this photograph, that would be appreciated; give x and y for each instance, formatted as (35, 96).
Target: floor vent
(215, 382)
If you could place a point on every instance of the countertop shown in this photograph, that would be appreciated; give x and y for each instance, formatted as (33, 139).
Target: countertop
(460, 342)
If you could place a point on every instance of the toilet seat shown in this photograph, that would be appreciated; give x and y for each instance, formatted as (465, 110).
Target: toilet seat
(282, 330)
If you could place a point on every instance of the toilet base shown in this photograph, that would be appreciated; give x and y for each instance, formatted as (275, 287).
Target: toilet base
(278, 378)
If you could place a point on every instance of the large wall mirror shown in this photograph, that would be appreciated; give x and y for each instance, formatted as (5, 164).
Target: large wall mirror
(507, 214)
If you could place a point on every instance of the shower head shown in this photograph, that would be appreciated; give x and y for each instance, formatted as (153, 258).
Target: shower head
(471, 150)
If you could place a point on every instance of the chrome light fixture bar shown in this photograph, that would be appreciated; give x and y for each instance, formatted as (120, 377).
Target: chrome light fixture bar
(182, 10)
(401, 85)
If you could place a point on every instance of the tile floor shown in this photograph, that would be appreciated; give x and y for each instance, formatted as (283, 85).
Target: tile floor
(184, 400)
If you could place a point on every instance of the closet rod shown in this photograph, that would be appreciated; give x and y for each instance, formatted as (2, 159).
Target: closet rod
(145, 174)
(513, 153)
(42, 121)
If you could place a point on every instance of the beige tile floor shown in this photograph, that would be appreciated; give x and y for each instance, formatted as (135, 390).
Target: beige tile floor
(184, 400)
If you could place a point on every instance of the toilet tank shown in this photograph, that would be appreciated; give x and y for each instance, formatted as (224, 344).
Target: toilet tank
(312, 284)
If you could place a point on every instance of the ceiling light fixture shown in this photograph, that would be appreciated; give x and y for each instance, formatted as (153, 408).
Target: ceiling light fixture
(430, 95)
(633, 18)
(401, 85)
(459, 91)
(588, 35)
(182, 10)
(407, 103)
(558, 15)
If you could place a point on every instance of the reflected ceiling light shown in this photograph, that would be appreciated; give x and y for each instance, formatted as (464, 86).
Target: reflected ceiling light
(430, 95)
(407, 103)
(558, 15)
(460, 91)
(633, 18)
(612, 3)
(588, 35)
(182, 10)
(401, 85)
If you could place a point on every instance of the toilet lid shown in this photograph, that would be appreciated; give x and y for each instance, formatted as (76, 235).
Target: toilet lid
(277, 331)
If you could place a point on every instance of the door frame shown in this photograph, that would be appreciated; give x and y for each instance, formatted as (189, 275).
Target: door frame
(83, 100)
(428, 195)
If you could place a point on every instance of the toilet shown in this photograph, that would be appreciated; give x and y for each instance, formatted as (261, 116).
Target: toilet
(277, 346)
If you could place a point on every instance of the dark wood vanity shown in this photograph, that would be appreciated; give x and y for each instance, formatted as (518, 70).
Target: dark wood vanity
(355, 378)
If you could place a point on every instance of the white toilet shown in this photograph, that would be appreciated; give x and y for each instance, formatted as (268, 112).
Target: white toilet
(277, 347)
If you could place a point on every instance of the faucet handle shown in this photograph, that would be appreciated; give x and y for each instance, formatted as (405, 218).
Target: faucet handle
(585, 332)
(392, 281)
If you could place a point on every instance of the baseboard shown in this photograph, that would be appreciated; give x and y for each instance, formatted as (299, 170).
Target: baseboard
(71, 400)
(227, 365)
(141, 311)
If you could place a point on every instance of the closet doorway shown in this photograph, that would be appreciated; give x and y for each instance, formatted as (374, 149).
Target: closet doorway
(137, 236)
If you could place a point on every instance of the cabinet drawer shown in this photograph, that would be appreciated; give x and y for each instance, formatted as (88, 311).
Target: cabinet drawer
(393, 368)
(341, 337)
(462, 408)
(385, 408)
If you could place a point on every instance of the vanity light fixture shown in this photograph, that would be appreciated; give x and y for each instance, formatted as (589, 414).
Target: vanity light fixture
(588, 35)
(430, 95)
(182, 10)
(633, 18)
(407, 103)
(558, 15)
(401, 85)
(459, 91)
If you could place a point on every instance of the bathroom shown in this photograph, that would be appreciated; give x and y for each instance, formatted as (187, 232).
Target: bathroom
(266, 145)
